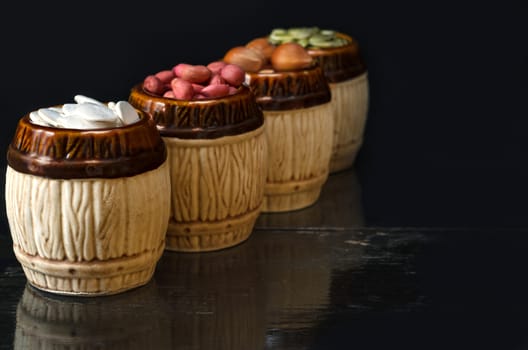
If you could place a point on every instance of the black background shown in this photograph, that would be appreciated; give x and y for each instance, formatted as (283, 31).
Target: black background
(445, 142)
(445, 139)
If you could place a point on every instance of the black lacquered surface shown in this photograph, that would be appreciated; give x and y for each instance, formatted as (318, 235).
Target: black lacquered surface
(317, 278)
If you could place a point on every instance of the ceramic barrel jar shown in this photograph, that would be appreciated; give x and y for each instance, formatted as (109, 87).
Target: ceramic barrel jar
(339, 56)
(217, 155)
(87, 209)
(299, 130)
(347, 75)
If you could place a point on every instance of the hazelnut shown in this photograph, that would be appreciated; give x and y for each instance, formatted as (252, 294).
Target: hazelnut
(290, 56)
(248, 59)
(263, 46)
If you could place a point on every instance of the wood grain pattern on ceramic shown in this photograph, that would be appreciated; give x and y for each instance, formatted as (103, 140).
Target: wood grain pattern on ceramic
(102, 153)
(217, 189)
(300, 146)
(290, 90)
(350, 101)
(200, 119)
(217, 154)
(88, 236)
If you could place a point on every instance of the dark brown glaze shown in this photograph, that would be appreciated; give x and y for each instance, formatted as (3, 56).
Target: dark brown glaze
(200, 119)
(290, 89)
(340, 63)
(98, 153)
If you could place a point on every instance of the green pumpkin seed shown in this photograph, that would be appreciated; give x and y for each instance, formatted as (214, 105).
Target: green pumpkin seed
(327, 32)
(306, 36)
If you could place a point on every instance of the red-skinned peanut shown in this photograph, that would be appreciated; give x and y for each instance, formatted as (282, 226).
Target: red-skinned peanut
(197, 82)
(195, 74)
(215, 90)
(197, 88)
(169, 94)
(153, 84)
(182, 89)
(217, 79)
(216, 66)
(165, 76)
(233, 74)
(177, 69)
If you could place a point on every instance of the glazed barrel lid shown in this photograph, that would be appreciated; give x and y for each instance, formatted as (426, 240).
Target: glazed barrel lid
(283, 90)
(342, 62)
(62, 153)
(200, 119)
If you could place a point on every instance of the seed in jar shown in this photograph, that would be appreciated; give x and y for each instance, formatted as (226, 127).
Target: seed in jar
(278, 36)
(248, 59)
(195, 74)
(152, 84)
(312, 37)
(93, 112)
(36, 119)
(126, 112)
(197, 88)
(165, 76)
(263, 46)
(217, 79)
(87, 113)
(80, 99)
(290, 56)
(169, 94)
(216, 66)
(182, 89)
(233, 74)
(177, 69)
(189, 81)
(49, 116)
(215, 90)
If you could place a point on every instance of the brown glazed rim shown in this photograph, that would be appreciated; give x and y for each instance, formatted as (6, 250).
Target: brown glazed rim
(200, 119)
(61, 153)
(290, 89)
(340, 63)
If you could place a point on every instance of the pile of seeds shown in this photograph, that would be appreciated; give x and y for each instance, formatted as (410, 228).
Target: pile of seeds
(86, 113)
(311, 37)
(196, 82)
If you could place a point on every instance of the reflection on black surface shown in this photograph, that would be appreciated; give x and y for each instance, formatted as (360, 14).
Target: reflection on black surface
(230, 299)
(296, 274)
(385, 277)
(278, 290)
(264, 293)
(213, 299)
(339, 205)
(132, 320)
(284, 289)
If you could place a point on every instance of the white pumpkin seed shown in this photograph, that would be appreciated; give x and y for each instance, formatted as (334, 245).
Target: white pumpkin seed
(50, 116)
(84, 99)
(35, 118)
(126, 112)
(90, 111)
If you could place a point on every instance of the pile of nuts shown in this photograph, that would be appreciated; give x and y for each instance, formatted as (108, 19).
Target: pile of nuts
(283, 49)
(261, 54)
(196, 82)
